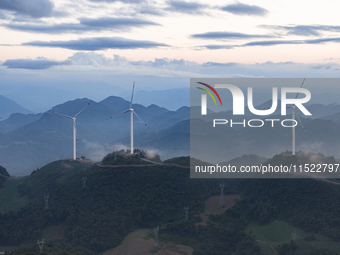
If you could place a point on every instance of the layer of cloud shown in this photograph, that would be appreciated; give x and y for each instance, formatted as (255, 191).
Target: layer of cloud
(280, 42)
(2, 15)
(97, 60)
(274, 42)
(122, 1)
(115, 22)
(97, 43)
(227, 35)
(98, 67)
(39, 63)
(218, 47)
(94, 59)
(171, 64)
(185, 7)
(245, 9)
(305, 30)
(32, 8)
(150, 10)
(85, 25)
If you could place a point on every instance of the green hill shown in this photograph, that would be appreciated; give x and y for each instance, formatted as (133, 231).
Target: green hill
(118, 200)
(3, 176)
(115, 202)
(53, 248)
(3, 171)
(10, 200)
(122, 157)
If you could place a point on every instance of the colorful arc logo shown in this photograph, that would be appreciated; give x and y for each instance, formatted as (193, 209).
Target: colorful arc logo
(209, 93)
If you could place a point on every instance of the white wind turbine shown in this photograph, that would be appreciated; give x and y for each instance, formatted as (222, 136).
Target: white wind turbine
(74, 129)
(132, 112)
(293, 127)
(293, 117)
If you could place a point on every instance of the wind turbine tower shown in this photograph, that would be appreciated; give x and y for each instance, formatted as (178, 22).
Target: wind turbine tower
(294, 236)
(294, 113)
(74, 129)
(132, 112)
(41, 245)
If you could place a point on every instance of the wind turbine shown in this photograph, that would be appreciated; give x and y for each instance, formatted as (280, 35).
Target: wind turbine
(132, 112)
(74, 128)
(293, 116)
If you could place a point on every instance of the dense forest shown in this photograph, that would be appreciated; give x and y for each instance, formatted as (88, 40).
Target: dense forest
(53, 248)
(118, 200)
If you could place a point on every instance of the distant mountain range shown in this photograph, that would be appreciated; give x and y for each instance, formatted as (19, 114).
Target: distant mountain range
(32, 140)
(41, 98)
(8, 107)
(28, 141)
(171, 99)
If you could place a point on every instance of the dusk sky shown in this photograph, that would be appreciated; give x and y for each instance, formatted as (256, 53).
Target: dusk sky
(61, 44)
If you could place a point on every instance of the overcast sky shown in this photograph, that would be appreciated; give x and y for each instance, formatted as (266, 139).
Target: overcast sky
(112, 42)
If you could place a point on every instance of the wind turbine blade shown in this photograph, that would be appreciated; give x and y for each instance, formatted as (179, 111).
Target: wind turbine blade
(300, 87)
(299, 120)
(118, 114)
(133, 88)
(61, 114)
(82, 109)
(141, 119)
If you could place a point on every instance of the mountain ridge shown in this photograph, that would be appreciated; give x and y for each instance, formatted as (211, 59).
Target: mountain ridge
(8, 107)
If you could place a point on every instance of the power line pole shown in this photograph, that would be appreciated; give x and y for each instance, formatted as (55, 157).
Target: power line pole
(293, 236)
(156, 239)
(84, 181)
(41, 245)
(46, 197)
(222, 195)
(186, 209)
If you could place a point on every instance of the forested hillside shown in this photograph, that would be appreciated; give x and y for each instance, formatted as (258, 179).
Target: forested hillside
(3, 176)
(122, 198)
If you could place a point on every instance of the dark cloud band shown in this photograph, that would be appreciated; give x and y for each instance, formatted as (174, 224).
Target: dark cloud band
(245, 9)
(33, 8)
(274, 42)
(123, 1)
(34, 64)
(85, 25)
(97, 43)
(305, 30)
(227, 35)
(186, 7)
